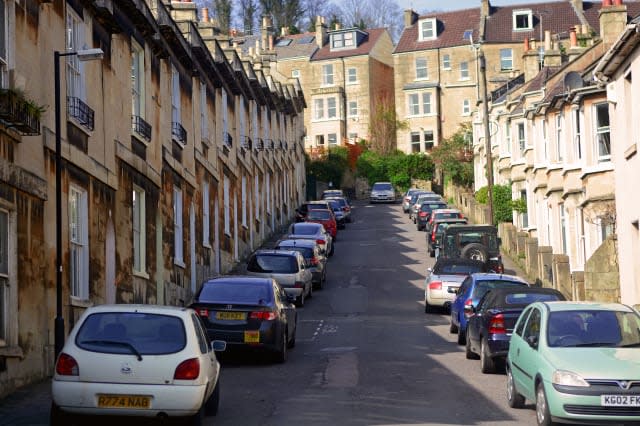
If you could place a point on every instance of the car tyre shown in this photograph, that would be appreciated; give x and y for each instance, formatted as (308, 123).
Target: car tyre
(487, 364)
(198, 418)
(468, 353)
(428, 309)
(432, 253)
(281, 353)
(453, 329)
(462, 336)
(300, 300)
(543, 416)
(57, 417)
(292, 342)
(475, 251)
(514, 399)
(212, 404)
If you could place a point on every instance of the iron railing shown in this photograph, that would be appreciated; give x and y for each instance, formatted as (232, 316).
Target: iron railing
(81, 112)
(141, 127)
(19, 114)
(178, 133)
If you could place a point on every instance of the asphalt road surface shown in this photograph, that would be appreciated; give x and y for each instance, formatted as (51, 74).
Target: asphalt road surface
(366, 352)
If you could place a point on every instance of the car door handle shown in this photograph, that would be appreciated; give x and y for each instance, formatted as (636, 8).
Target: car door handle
(518, 352)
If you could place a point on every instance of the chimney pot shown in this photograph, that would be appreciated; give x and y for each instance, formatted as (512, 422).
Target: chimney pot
(617, 2)
(526, 45)
(606, 3)
(205, 14)
(573, 37)
(547, 40)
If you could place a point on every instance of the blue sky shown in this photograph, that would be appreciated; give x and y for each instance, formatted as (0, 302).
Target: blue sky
(436, 5)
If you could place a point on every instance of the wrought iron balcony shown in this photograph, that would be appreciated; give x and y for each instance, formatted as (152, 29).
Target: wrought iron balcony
(270, 144)
(228, 140)
(247, 143)
(259, 144)
(80, 111)
(178, 133)
(141, 127)
(18, 113)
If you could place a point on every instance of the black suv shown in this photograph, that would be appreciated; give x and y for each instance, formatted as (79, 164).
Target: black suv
(479, 242)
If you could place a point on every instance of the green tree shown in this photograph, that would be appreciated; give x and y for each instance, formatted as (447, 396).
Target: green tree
(503, 205)
(331, 167)
(452, 156)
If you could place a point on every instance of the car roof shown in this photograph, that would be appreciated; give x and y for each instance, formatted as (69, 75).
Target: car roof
(446, 210)
(305, 224)
(468, 227)
(457, 261)
(489, 276)
(498, 291)
(238, 279)
(277, 252)
(581, 306)
(132, 307)
(297, 243)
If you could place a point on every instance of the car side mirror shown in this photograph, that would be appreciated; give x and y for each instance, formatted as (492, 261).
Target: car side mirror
(533, 341)
(219, 345)
(429, 270)
(469, 309)
(499, 241)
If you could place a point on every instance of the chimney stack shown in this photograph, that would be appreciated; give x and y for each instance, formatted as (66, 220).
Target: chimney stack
(578, 5)
(613, 20)
(573, 38)
(266, 30)
(527, 47)
(410, 17)
(321, 32)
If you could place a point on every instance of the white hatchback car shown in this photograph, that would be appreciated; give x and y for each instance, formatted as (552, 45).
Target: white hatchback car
(137, 360)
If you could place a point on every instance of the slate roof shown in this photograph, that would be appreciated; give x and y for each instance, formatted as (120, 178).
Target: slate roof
(364, 48)
(591, 12)
(539, 81)
(302, 45)
(451, 27)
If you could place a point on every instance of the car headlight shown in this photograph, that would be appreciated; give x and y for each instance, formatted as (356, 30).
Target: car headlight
(567, 378)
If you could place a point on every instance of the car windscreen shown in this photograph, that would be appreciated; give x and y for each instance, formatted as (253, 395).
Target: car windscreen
(382, 187)
(304, 229)
(235, 293)
(319, 215)
(457, 268)
(135, 333)
(317, 206)
(427, 207)
(275, 263)
(593, 328)
(485, 285)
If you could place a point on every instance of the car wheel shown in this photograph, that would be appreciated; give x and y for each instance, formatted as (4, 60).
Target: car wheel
(331, 252)
(281, 354)
(212, 404)
(462, 336)
(432, 253)
(542, 407)
(514, 399)
(468, 353)
(198, 418)
(487, 364)
(57, 417)
(453, 329)
(300, 301)
(475, 251)
(292, 342)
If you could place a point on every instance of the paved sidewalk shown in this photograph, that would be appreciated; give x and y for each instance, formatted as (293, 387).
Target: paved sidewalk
(29, 405)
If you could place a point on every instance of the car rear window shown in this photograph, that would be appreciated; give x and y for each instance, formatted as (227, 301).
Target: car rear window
(282, 264)
(457, 269)
(528, 298)
(304, 229)
(382, 186)
(485, 285)
(449, 215)
(319, 215)
(254, 294)
(429, 207)
(307, 252)
(131, 333)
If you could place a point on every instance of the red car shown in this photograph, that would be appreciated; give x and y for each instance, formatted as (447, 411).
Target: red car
(326, 218)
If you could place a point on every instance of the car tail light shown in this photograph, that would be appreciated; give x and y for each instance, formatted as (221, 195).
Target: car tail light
(496, 324)
(263, 315)
(67, 365)
(422, 214)
(435, 285)
(433, 237)
(298, 284)
(320, 242)
(203, 312)
(468, 302)
(314, 261)
(187, 370)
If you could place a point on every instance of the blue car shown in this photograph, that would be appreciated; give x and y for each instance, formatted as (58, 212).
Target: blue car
(469, 294)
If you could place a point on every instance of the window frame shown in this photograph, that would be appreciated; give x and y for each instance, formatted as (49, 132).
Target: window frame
(428, 138)
(75, 76)
(332, 137)
(427, 29)
(332, 108)
(466, 107)
(5, 50)
(139, 231)
(178, 227)
(426, 103)
(353, 108)
(421, 68)
(520, 13)
(414, 141)
(352, 75)
(559, 119)
(204, 112)
(327, 75)
(522, 136)
(464, 70)
(413, 103)
(318, 108)
(446, 62)
(226, 203)
(206, 215)
(6, 290)
(243, 197)
(78, 242)
(601, 131)
(506, 62)
(138, 107)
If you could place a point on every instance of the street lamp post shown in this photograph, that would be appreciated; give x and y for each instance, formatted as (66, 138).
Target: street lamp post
(487, 133)
(83, 55)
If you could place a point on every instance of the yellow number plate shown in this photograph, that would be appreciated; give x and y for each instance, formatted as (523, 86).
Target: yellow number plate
(231, 315)
(252, 337)
(124, 401)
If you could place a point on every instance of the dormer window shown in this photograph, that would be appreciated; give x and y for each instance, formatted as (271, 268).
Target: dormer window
(343, 40)
(428, 29)
(522, 20)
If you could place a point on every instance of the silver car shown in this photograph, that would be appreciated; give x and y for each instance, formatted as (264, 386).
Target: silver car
(287, 267)
(444, 279)
(426, 198)
(312, 231)
(382, 192)
(316, 261)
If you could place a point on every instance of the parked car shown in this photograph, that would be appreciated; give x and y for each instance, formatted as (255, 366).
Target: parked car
(577, 361)
(490, 326)
(326, 218)
(469, 294)
(443, 213)
(327, 193)
(406, 199)
(287, 267)
(136, 361)
(424, 198)
(434, 238)
(414, 198)
(312, 231)
(338, 213)
(303, 210)
(382, 192)
(316, 262)
(424, 213)
(479, 242)
(346, 207)
(248, 312)
(443, 281)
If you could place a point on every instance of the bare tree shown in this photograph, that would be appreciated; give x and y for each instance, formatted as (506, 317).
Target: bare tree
(373, 14)
(384, 126)
(248, 15)
(602, 214)
(223, 13)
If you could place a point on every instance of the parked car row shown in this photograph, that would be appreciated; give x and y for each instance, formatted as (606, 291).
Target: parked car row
(576, 361)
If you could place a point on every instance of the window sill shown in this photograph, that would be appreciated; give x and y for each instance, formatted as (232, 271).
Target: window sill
(179, 263)
(81, 303)
(11, 352)
(141, 274)
(206, 245)
(630, 151)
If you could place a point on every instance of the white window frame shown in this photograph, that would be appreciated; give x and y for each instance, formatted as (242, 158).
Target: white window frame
(139, 228)
(353, 108)
(332, 139)
(225, 114)
(414, 141)
(602, 132)
(422, 70)
(78, 243)
(318, 109)
(428, 137)
(204, 112)
(8, 292)
(559, 135)
(427, 29)
(563, 229)
(243, 196)
(466, 107)
(507, 137)
(178, 231)
(352, 75)
(268, 193)
(332, 108)
(226, 202)
(175, 97)
(243, 121)
(506, 59)
(545, 139)
(137, 80)
(4, 43)
(257, 195)
(578, 119)
(206, 215)
(522, 136)
(464, 70)
(327, 75)
(519, 13)
(75, 77)
(413, 104)
(446, 62)
(426, 103)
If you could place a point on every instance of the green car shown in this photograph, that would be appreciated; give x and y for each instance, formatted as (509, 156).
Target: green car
(578, 361)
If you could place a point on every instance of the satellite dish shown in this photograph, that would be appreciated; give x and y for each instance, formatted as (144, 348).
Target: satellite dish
(573, 80)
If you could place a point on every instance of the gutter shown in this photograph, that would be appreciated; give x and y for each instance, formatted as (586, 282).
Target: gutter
(601, 73)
